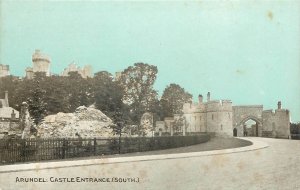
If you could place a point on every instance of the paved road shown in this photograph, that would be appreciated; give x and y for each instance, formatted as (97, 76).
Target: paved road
(275, 167)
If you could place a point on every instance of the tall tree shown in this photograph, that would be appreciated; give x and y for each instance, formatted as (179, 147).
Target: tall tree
(108, 94)
(172, 100)
(37, 106)
(137, 82)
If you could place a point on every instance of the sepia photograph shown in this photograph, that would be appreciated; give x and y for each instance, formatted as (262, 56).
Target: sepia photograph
(150, 94)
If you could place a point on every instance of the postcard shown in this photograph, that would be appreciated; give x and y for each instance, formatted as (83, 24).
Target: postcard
(149, 94)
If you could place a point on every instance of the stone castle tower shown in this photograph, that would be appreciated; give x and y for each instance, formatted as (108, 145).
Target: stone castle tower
(276, 124)
(4, 70)
(211, 116)
(41, 62)
(85, 72)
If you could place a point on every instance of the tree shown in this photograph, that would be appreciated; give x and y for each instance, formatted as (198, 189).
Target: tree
(295, 128)
(108, 94)
(12, 85)
(137, 82)
(172, 100)
(77, 88)
(36, 99)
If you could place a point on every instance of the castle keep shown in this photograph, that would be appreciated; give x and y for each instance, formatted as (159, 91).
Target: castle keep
(4, 70)
(41, 63)
(223, 119)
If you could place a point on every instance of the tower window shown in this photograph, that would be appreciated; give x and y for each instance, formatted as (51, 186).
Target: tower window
(221, 127)
(212, 116)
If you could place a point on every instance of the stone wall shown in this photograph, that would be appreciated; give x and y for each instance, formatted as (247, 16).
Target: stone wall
(277, 123)
(219, 117)
(242, 112)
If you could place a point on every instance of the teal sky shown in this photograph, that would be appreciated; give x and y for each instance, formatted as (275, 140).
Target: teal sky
(246, 51)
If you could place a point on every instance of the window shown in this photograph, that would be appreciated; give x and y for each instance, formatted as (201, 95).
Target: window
(221, 127)
(212, 116)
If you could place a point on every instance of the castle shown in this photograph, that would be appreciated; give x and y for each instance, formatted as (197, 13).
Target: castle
(85, 72)
(41, 63)
(4, 70)
(223, 119)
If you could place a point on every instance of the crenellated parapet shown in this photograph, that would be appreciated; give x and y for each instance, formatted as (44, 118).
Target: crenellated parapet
(41, 62)
(38, 56)
(219, 105)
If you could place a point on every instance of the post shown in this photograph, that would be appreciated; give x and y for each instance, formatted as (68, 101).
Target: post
(139, 144)
(23, 149)
(95, 146)
(6, 98)
(63, 149)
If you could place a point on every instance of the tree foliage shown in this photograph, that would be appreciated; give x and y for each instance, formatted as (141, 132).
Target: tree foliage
(37, 106)
(172, 100)
(137, 82)
(132, 94)
(295, 128)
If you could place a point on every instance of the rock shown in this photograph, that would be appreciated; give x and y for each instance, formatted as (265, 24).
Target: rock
(87, 122)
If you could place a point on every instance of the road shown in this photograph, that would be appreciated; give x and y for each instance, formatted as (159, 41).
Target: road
(275, 167)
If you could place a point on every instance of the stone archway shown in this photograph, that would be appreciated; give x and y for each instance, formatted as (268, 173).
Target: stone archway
(243, 131)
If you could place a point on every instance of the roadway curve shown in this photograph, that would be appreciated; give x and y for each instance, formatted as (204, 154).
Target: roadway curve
(276, 166)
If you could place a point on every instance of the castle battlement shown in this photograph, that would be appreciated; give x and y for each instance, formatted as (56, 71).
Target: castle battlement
(85, 72)
(4, 70)
(219, 105)
(38, 56)
(248, 106)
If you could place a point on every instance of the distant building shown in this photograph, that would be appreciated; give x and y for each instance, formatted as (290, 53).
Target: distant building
(7, 112)
(223, 119)
(40, 62)
(9, 118)
(29, 73)
(118, 75)
(85, 72)
(4, 70)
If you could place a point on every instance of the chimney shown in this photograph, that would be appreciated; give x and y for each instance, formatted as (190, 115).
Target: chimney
(13, 115)
(200, 99)
(208, 96)
(279, 105)
(6, 98)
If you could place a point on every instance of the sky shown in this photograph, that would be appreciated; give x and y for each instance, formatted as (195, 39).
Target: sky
(245, 51)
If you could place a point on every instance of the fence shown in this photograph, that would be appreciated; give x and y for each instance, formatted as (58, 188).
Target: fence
(25, 150)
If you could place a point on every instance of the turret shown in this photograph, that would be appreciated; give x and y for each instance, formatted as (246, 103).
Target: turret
(208, 96)
(279, 105)
(200, 99)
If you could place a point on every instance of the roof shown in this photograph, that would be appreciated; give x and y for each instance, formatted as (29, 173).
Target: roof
(5, 112)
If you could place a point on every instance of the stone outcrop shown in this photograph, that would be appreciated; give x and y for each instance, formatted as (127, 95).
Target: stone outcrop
(85, 122)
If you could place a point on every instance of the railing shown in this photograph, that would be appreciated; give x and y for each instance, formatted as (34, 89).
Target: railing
(26, 150)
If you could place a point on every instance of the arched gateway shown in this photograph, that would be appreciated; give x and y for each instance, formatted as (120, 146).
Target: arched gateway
(242, 130)
(243, 114)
